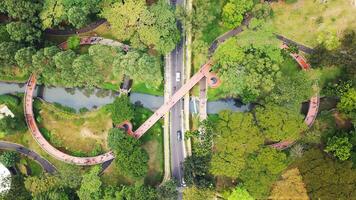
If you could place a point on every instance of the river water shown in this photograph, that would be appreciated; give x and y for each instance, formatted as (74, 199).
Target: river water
(79, 98)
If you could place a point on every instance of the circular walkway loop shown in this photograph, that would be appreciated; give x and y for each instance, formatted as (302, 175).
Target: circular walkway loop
(31, 122)
(46, 165)
(313, 103)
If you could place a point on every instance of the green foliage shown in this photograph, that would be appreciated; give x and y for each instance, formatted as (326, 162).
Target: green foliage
(249, 72)
(233, 12)
(130, 157)
(90, 188)
(153, 26)
(240, 193)
(347, 103)
(193, 193)
(121, 109)
(329, 40)
(9, 158)
(17, 190)
(340, 147)
(73, 42)
(77, 13)
(22, 10)
(8, 50)
(9, 125)
(237, 137)
(43, 184)
(326, 178)
(168, 190)
(4, 35)
(262, 169)
(23, 57)
(280, 123)
(291, 90)
(23, 32)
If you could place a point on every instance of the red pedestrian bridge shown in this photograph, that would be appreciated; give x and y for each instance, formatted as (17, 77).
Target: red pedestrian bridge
(213, 81)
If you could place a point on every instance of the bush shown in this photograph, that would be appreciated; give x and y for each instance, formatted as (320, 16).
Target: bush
(73, 42)
(9, 158)
(9, 100)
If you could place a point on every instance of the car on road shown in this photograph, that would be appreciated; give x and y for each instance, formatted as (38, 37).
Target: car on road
(182, 183)
(179, 135)
(177, 76)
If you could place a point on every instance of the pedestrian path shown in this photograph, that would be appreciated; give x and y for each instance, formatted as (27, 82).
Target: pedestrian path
(46, 165)
(313, 103)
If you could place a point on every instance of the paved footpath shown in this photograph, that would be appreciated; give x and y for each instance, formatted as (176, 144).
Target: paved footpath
(46, 165)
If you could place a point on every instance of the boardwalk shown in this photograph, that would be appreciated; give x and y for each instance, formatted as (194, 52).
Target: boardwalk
(45, 145)
(203, 72)
(313, 103)
(46, 165)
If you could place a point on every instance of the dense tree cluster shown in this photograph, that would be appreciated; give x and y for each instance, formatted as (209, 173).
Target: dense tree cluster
(121, 109)
(152, 26)
(326, 178)
(234, 10)
(237, 137)
(129, 156)
(249, 72)
(9, 158)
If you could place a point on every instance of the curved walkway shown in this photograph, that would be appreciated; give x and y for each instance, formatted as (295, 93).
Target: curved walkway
(313, 103)
(45, 145)
(46, 165)
(86, 29)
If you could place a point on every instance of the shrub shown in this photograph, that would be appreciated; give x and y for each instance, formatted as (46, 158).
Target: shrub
(73, 42)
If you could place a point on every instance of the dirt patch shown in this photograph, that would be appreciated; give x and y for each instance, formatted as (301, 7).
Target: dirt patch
(341, 122)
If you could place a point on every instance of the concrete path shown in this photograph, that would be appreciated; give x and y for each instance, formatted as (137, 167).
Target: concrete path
(46, 165)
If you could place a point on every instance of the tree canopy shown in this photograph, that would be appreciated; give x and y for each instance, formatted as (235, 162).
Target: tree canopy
(129, 156)
(280, 123)
(249, 72)
(153, 26)
(237, 137)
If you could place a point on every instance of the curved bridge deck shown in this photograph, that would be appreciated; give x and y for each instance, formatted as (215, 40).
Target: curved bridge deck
(313, 103)
(36, 134)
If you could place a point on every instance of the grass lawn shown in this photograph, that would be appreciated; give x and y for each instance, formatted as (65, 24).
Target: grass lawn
(304, 20)
(142, 88)
(77, 134)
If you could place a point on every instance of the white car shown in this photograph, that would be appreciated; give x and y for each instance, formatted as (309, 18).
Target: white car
(178, 76)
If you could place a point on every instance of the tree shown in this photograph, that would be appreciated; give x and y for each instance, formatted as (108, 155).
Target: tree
(8, 50)
(64, 62)
(130, 158)
(280, 123)
(9, 158)
(240, 193)
(77, 13)
(168, 190)
(339, 147)
(248, 72)
(4, 35)
(193, 193)
(22, 10)
(291, 186)
(347, 103)
(85, 72)
(73, 42)
(154, 26)
(91, 185)
(237, 137)
(233, 12)
(326, 178)
(261, 170)
(137, 192)
(10, 125)
(121, 109)
(23, 32)
(77, 17)
(291, 90)
(23, 57)
(38, 185)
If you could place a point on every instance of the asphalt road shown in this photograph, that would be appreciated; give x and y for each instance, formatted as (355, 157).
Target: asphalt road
(46, 165)
(176, 119)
